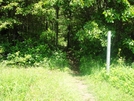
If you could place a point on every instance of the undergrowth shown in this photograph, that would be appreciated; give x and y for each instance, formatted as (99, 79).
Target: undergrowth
(89, 65)
(28, 53)
(120, 79)
(57, 59)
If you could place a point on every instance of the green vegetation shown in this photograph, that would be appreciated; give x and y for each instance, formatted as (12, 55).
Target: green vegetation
(49, 84)
(33, 30)
(104, 91)
(38, 84)
(64, 34)
(116, 86)
(122, 78)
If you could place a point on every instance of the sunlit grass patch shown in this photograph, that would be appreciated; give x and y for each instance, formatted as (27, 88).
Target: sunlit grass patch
(104, 91)
(121, 78)
(116, 86)
(37, 84)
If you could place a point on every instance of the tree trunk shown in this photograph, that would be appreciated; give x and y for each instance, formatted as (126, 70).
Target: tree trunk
(57, 26)
(69, 31)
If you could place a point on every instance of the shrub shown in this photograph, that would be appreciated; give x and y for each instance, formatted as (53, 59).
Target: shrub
(38, 56)
(120, 77)
(27, 55)
(89, 65)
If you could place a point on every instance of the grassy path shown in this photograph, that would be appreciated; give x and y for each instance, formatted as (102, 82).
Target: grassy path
(83, 89)
(38, 84)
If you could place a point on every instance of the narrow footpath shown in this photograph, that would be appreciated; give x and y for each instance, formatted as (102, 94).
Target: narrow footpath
(82, 87)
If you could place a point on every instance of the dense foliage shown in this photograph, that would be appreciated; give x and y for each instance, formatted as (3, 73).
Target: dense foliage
(33, 29)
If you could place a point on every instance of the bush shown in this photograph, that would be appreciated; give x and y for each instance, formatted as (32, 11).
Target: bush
(58, 59)
(89, 65)
(39, 56)
(24, 54)
(120, 77)
(18, 59)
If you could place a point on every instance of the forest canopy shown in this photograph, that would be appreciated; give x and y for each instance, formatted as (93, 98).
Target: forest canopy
(34, 28)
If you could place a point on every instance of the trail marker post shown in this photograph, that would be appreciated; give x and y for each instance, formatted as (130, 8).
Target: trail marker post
(108, 51)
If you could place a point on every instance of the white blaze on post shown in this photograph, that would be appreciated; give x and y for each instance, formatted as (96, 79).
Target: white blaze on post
(108, 51)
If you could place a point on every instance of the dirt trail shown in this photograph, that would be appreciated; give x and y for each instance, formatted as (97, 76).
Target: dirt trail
(82, 87)
(83, 90)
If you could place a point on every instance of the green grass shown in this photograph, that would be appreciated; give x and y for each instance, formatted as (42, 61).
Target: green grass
(104, 91)
(121, 78)
(37, 84)
(116, 86)
(43, 84)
